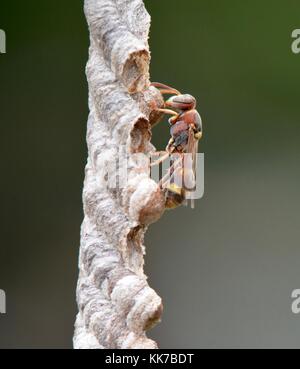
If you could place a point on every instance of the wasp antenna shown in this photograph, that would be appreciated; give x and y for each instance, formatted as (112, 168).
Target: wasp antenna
(165, 89)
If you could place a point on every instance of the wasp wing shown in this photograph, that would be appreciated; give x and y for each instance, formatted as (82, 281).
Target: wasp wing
(191, 157)
(190, 164)
(176, 165)
(182, 170)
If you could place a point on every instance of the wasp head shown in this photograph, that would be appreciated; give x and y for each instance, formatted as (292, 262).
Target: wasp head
(181, 102)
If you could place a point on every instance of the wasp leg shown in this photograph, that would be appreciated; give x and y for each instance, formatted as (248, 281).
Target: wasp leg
(169, 150)
(168, 111)
(159, 152)
(160, 160)
(164, 89)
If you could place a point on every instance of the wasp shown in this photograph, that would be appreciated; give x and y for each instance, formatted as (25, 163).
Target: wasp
(186, 131)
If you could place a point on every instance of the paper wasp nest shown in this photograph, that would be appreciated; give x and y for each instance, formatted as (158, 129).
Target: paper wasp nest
(116, 305)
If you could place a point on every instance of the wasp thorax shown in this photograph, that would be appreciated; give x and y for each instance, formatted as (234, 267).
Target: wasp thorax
(181, 102)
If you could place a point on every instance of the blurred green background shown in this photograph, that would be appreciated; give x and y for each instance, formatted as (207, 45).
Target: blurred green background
(225, 270)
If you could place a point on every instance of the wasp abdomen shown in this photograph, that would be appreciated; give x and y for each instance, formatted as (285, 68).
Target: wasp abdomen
(174, 196)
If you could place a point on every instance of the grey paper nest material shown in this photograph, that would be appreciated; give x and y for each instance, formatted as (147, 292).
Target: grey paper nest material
(116, 305)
